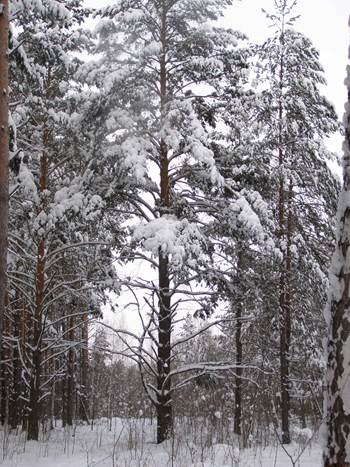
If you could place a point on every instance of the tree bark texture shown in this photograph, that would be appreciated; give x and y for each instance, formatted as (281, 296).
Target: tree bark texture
(5, 373)
(164, 404)
(164, 408)
(70, 374)
(285, 312)
(15, 393)
(4, 157)
(337, 398)
(34, 397)
(284, 297)
(84, 368)
(239, 350)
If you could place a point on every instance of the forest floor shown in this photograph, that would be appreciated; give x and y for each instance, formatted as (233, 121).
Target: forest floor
(130, 444)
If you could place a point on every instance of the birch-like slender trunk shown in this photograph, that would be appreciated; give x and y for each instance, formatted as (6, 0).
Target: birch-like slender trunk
(337, 400)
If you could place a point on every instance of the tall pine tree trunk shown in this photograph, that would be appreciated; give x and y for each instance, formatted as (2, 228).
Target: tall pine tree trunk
(23, 344)
(34, 397)
(337, 401)
(34, 390)
(284, 308)
(237, 425)
(84, 368)
(164, 404)
(70, 374)
(15, 401)
(286, 219)
(4, 159)
(5, 370)
(164, 407)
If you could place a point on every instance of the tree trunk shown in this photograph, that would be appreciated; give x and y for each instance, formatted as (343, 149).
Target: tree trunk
(285, 320)
(52, 405)
(238, 389)
(164, 403)
(5, 370)
(164, 407)
(337, 400)
(15, 401)
(4, 392)
(24, 338)
(34, 397)
(70, 374)
(284, 323)
(84, 368)
(34, 405)
(284, 305)
(64, 384)
(237, 425)
(4, 158)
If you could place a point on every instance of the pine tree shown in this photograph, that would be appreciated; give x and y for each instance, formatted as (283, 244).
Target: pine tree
(55, 208)
(242, 229)
(155, 54)
(297, 118)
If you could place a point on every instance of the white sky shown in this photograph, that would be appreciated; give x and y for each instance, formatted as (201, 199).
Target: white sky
(325, 22)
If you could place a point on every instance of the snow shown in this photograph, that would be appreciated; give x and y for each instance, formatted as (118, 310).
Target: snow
(179, 238)
(130, 442)
(54, 7)
(135, 150)
(71, 199)
(26, 180)
(133, 15)
(182, 125)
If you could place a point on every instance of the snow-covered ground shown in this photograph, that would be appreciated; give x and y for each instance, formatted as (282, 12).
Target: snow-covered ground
(130, 443)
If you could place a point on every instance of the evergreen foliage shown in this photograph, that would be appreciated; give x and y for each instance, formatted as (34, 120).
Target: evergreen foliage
(164, 157)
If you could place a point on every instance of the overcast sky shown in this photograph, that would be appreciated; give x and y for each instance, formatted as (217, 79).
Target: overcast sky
(325, 22)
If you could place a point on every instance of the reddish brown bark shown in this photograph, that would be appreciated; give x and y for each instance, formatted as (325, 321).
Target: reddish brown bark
(285, 316)
(164, 405)
(6, 358)
(237, 426)
(284, 296)
(34, 397)
(4, 157)
(23, 344)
